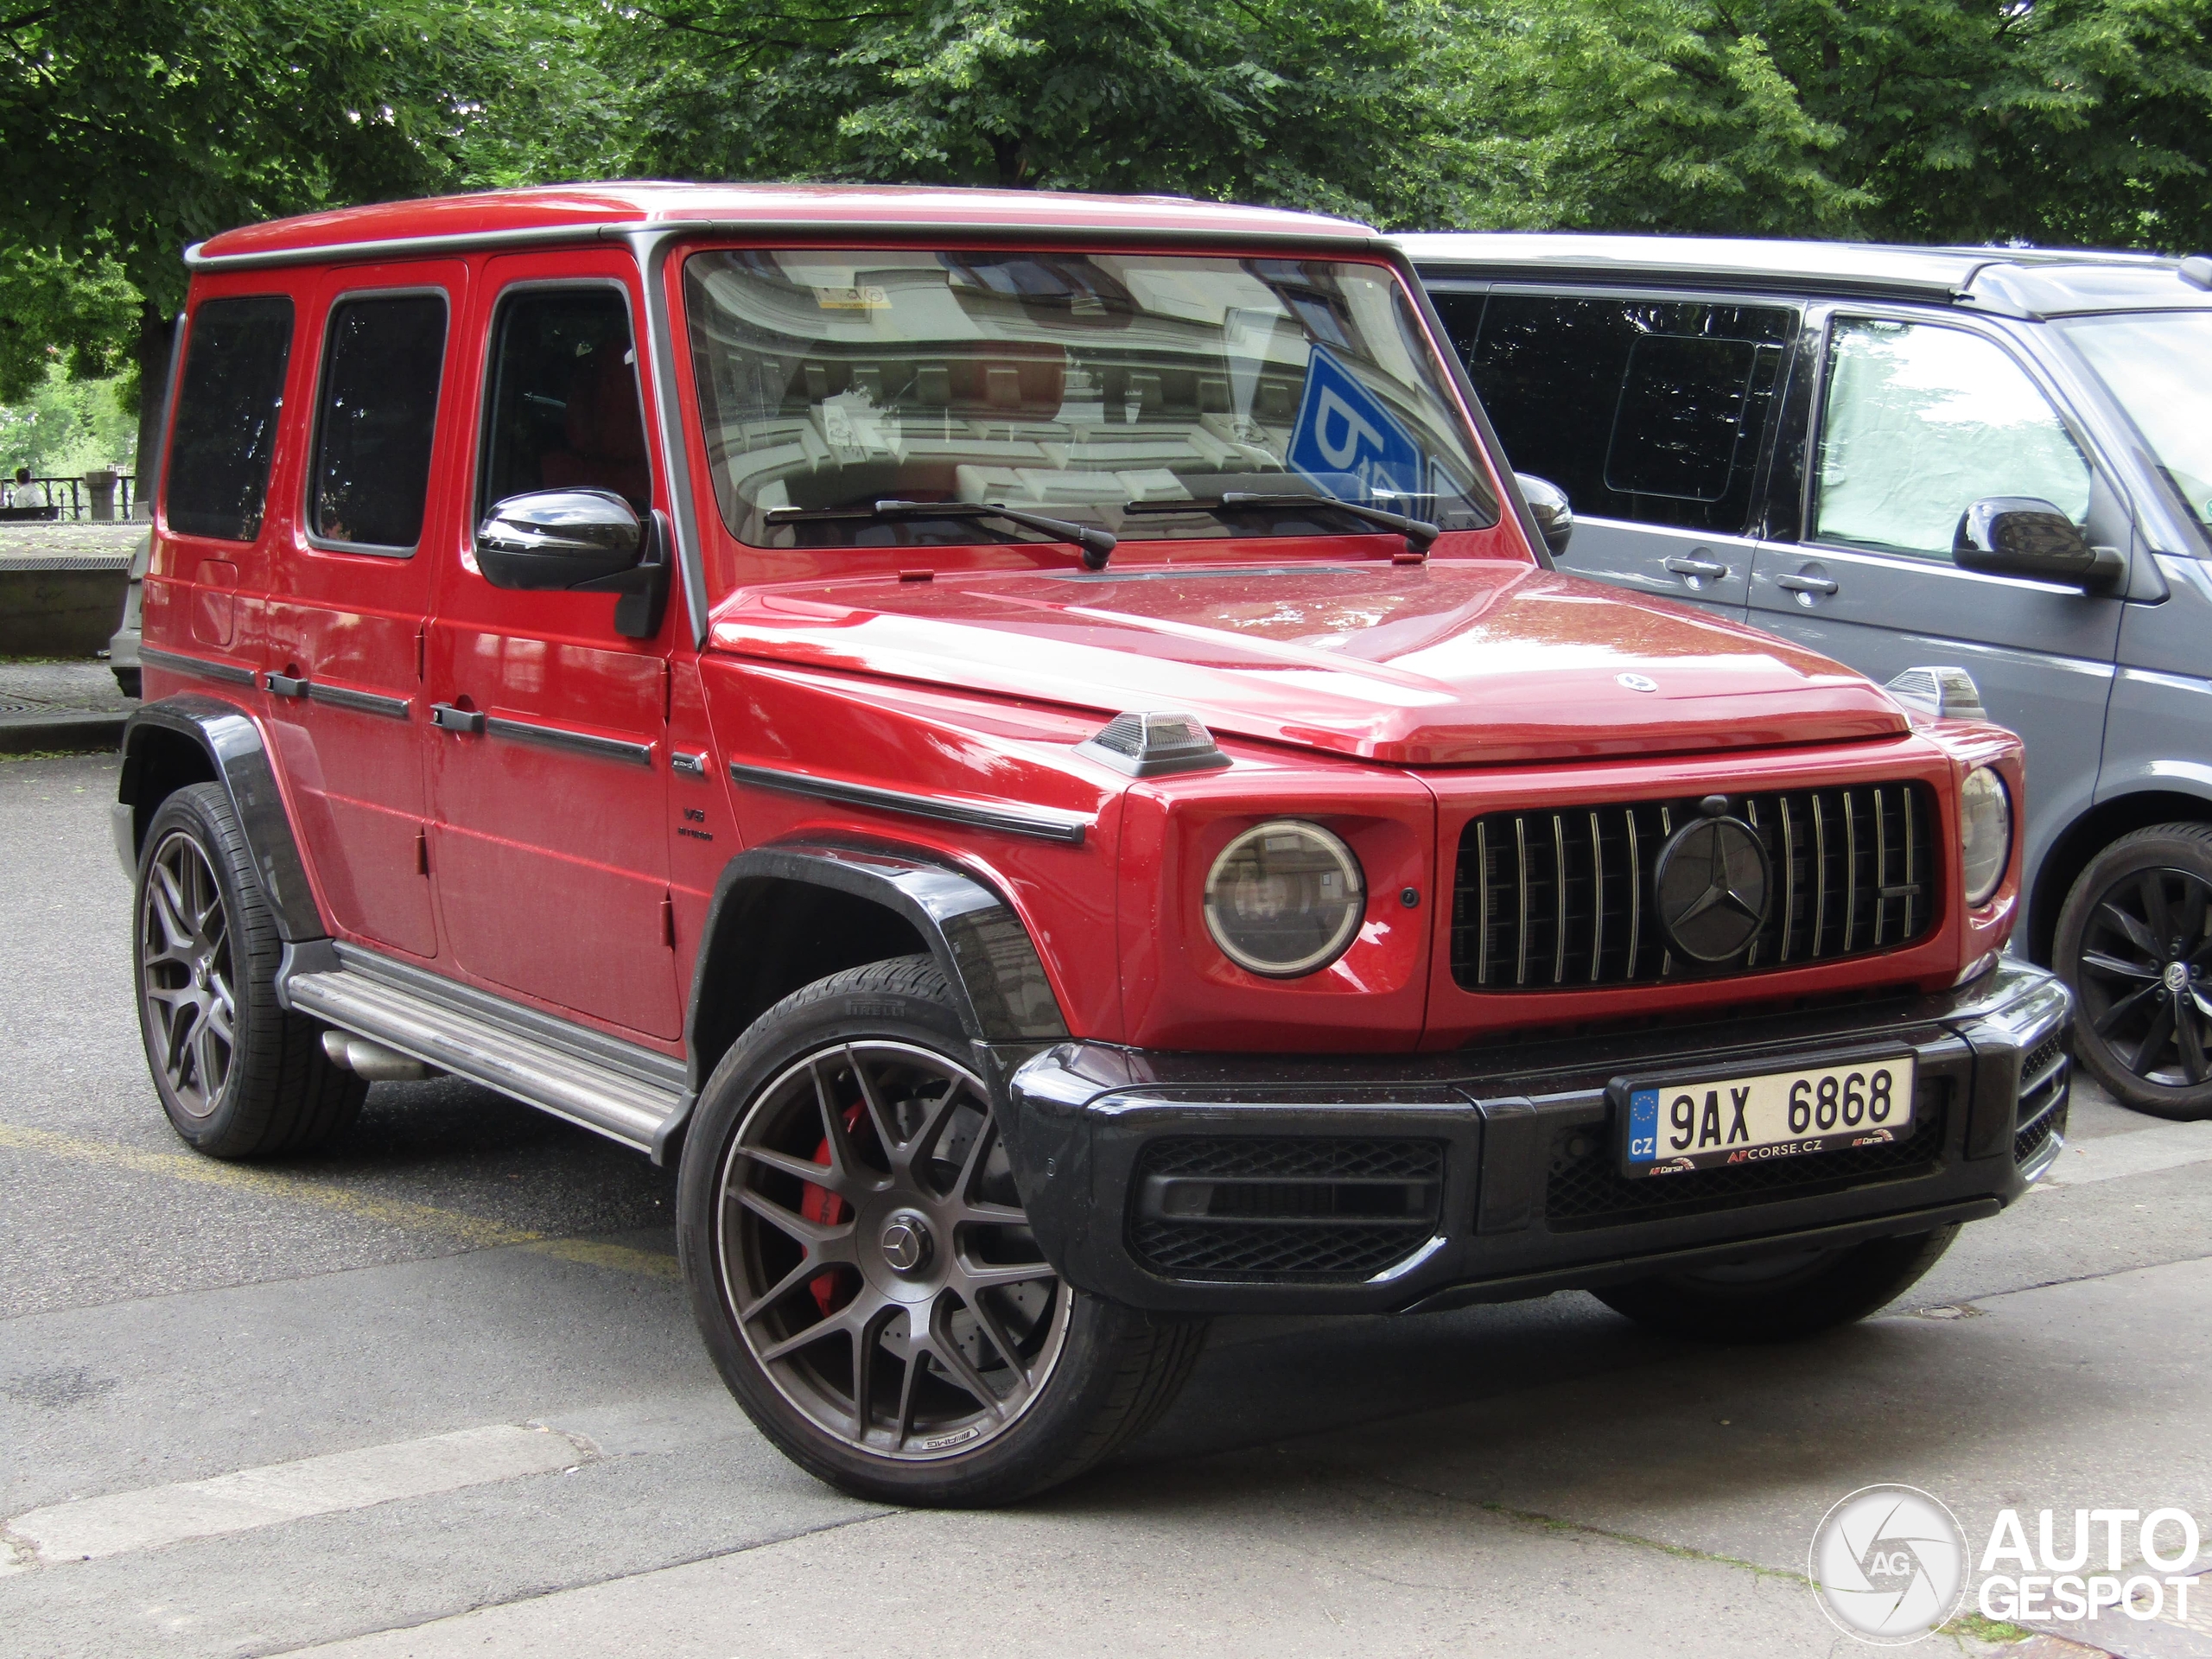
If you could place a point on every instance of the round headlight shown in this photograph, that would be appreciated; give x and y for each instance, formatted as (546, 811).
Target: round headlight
(1285, 899)
(1985, 832)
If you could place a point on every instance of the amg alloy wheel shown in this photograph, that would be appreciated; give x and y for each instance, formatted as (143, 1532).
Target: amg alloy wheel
(2135, 942)
(238, 1075)
(883, 1272)
(863, 1271)
(186, 974)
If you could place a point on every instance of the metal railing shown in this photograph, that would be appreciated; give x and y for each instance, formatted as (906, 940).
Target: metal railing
(61, 498)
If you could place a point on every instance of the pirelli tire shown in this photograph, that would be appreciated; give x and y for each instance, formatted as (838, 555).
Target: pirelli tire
(863, 1272)
(1781, 1298)
(238, 1075)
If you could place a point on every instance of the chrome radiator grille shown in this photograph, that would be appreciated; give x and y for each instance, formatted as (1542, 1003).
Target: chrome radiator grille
(1565, 898)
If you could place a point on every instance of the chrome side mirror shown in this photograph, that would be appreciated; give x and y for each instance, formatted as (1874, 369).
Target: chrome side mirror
(2024, 535)
(1549, 507)
(558, 539)
(588, 541)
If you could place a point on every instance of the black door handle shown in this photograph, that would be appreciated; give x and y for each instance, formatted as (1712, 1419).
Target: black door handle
(455, 720)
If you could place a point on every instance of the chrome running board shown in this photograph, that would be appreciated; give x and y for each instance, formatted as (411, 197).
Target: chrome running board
(624, 1092)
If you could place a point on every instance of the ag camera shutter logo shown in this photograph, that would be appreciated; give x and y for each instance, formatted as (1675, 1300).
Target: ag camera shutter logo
(1889, 1564)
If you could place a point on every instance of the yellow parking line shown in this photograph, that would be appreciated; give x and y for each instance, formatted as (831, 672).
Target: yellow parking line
(476, 1232)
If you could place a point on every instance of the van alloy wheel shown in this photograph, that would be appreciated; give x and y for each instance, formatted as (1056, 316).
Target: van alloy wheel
(2134, 940)
(875, 1257)
(2146, 973)
(186, 974)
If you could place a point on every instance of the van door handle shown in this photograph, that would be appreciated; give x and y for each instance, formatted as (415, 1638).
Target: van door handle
(1682, 567)
(1808, 584)
(455, 720)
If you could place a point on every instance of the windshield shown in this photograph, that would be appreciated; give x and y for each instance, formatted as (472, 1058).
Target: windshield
(2159, 365)
(1070, 385)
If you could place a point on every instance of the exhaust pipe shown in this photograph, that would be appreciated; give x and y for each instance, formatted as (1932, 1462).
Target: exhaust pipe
(373, 1060)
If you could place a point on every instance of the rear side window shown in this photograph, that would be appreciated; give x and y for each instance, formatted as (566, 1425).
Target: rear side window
(375, 420)
(217, 481)
(564, 412)
(1655, 411)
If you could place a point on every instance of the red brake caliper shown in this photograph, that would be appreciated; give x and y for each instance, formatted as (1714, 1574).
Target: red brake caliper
(824, 1208)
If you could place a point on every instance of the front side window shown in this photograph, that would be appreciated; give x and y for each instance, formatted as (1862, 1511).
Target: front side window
(217, 481)
(1922, 421)
(1653, 412)
(564, 412)
(2159, 365)
(1070, 385)
(375, 420)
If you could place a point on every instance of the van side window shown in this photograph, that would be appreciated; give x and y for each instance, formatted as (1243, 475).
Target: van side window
(564, 412)
(1648, 411)
(216, 482)
(1922, 422)
(375, 420)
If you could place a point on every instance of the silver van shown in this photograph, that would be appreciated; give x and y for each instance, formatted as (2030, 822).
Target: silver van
(1995, 458)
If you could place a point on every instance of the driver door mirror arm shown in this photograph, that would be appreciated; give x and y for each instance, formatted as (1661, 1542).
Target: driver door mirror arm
(643, 587)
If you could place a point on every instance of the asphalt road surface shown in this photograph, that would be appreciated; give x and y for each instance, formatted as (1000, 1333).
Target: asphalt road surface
(434, 1393)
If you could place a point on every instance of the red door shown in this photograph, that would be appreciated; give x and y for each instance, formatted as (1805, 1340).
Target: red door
(549, 850)
(376, 492)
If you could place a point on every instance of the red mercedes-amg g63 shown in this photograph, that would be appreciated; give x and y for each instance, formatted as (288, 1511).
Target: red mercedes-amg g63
(1035, 745)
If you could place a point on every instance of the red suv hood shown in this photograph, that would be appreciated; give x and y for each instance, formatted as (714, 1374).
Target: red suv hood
(1454, 662)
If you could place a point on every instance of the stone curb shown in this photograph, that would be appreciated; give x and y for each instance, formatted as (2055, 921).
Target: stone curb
(78, 733)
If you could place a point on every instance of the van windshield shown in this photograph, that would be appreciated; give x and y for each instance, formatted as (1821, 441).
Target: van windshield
(1068, 384)
(2159, 365)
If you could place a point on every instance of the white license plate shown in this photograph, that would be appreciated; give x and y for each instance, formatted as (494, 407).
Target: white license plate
(1717, 1122)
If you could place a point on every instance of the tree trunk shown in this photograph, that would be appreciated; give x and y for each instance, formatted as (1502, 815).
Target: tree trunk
(156, 332)
(1012, 155)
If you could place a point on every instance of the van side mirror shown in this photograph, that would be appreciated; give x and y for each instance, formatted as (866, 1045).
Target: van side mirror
(2022, 536)
(584, 541)
(1549, 506)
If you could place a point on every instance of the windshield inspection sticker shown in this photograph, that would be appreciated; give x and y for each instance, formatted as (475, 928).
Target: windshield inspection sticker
(1348, 444)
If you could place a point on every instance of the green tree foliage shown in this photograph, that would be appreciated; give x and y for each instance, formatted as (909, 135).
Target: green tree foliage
(1324, 103)
(140, 125)
(74, 313)
(129, 128)
(63, 427)
(2050, 121)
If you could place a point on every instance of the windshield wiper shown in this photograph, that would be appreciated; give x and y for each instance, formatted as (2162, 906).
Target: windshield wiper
(1419, 532)
(1097, 545)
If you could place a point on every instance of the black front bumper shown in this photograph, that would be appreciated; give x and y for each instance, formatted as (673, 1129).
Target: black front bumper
(1197, 1183)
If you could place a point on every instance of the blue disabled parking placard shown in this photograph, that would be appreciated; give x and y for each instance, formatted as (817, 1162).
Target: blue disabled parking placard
(1348, 444)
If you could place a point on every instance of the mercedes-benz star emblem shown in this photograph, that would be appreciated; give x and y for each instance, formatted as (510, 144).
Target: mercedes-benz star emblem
(1713, 881)
(906, 1242)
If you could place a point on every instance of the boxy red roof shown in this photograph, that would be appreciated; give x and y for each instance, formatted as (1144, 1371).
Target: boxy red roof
(548, 210)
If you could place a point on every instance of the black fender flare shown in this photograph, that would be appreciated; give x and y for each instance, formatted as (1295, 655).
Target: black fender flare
(1006, 1003)
(235, 753)
(972, 931)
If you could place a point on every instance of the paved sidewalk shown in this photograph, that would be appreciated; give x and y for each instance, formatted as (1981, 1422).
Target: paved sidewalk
(49, 706)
